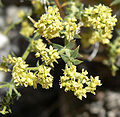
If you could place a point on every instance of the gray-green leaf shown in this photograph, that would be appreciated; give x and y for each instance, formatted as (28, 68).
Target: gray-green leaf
(57, 46)
(76, 62)
(70, 45)
(75, 53)
(65, 58)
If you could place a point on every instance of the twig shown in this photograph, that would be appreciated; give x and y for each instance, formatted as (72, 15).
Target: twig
(95, 51)
(98, 58)
(27, 51)
(49, 41)
(60, 8)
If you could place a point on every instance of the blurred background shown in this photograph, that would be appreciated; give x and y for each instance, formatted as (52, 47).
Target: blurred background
(55, 102)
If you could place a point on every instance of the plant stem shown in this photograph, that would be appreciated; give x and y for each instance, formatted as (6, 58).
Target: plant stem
(60, 8)
(18, 94)
(26, 53)
(32, 68)
(49, 41)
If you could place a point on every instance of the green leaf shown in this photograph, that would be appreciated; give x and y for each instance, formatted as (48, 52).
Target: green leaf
(75, 53)
(115, 2)
(13, 54)
(38, 63)
(5, 85)
(65, 57)
(57, 46)
(10, 91)
(76, 36)
(70, 45)
(76, 61)
(17, 93)
(67, 52)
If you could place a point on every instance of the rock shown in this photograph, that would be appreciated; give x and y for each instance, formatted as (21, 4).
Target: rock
(4, 46)
(102, 113)
(3, 41)
(112, 100)
(111, 114)
(11, 13)
(2, 76)
(2, 22)
(96, 107)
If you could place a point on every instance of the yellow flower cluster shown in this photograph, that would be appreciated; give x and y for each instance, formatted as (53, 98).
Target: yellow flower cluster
(22, 77)
(43, 77)
(77, 82)
(26, 29)
(19, 74)
(4, 68)
(9, 60)
(101, 19)
(38, 45)
(71, 28)
(50, 25)
(97, 37)
(49, 55)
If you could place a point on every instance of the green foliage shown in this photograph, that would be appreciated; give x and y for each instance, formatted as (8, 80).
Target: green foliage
(8, 99)
(114, 54)
(68, 54)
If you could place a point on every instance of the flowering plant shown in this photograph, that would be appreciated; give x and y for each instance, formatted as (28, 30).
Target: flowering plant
(55, 25)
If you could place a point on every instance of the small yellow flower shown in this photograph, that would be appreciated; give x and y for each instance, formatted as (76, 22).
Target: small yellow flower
(49, 56)
(38, 45)
(71, 28)
(44, 77)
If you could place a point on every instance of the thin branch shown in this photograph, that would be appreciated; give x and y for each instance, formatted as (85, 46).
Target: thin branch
(49, 41)
(26, 53)
(60, 8)
(98, 58)
(94, 53)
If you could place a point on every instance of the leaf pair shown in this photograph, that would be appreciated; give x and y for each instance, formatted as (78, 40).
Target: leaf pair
(68, 54)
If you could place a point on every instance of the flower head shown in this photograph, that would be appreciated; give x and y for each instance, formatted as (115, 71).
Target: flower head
(44, 77)
(71, 28)
(77, 82)
(50, 25)
(26, 29)
(100, 18)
